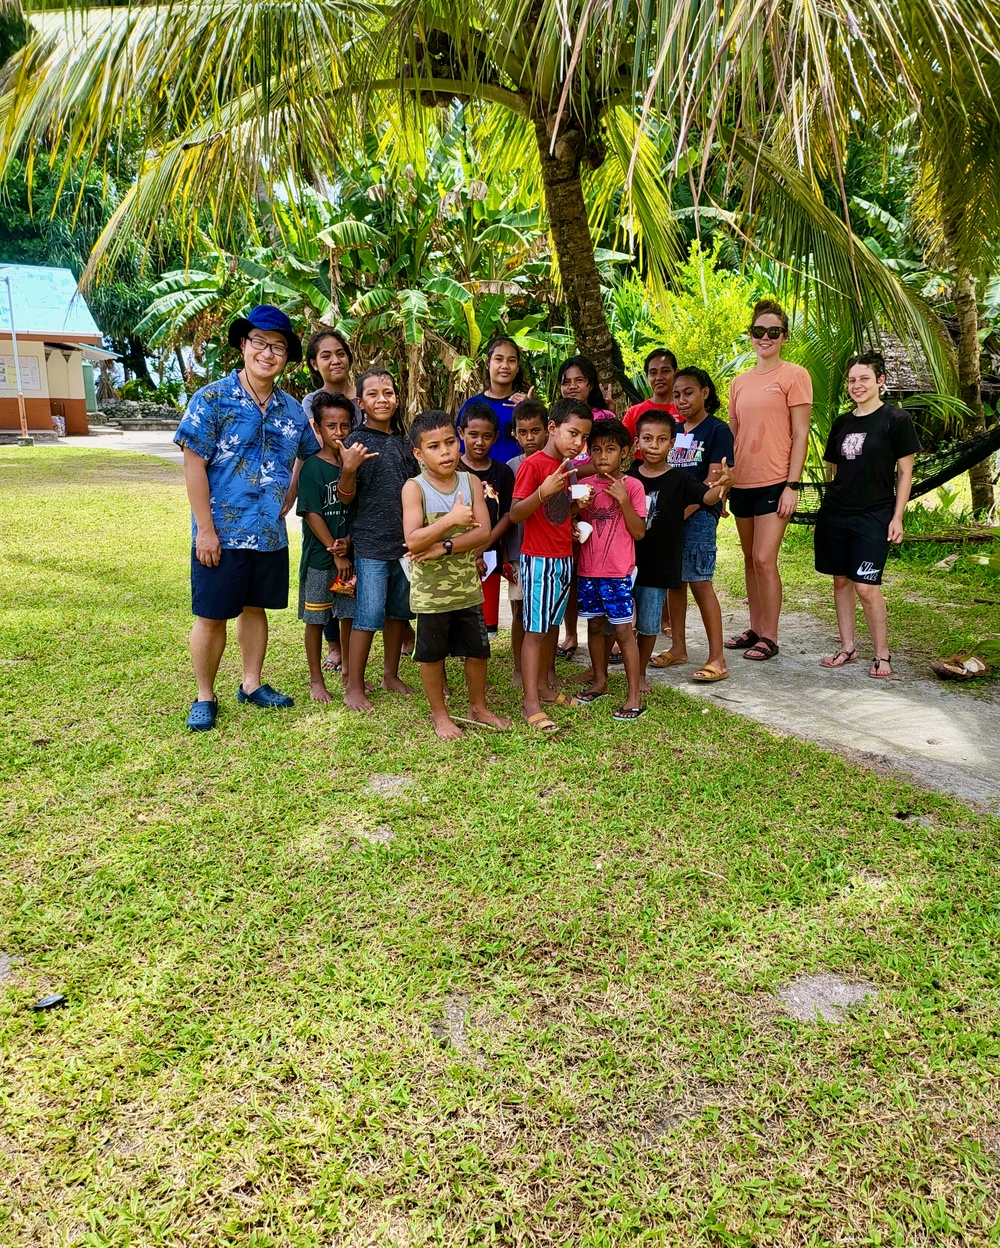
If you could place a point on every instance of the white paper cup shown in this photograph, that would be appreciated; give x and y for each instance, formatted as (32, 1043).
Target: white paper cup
(579, 491)
(583, 531)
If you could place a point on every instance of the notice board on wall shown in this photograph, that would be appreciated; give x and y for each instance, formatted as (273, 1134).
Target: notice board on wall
(29, 372)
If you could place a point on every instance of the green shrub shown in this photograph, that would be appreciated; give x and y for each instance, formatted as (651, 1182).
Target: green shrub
(704, 321)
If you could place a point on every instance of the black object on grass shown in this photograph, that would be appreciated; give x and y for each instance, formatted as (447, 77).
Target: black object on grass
(49, 1003)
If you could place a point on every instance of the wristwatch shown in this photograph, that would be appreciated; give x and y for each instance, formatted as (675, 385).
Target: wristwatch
(793, 485)
(448, 545)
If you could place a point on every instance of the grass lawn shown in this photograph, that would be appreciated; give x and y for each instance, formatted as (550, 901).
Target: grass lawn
(333, 983)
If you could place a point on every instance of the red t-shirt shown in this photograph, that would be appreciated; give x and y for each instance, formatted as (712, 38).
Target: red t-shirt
(548, 531)
(631, 418)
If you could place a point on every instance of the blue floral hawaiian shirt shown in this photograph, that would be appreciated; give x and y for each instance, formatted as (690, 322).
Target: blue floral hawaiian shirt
(250, 457)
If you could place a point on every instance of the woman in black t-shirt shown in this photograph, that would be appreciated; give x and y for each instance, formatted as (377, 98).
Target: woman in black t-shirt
(871, 450)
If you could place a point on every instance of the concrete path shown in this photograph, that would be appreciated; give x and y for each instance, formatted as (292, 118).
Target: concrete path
(941, 736)
(156, 442)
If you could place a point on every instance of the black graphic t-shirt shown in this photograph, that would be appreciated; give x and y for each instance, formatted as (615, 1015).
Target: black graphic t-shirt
(865, 450)
(708, 443)
(498, 489)
(658, 555)
(378, 520)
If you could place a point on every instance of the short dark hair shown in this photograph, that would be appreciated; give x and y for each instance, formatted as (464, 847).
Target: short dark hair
(427, 422)
(656, 416)
(324, 401)
(368, 374)
(871, 359)
(609, 430)
(655, 355)
(712, 401)
(529, 409)
(565, 409)
(476, 409)
(312, 350)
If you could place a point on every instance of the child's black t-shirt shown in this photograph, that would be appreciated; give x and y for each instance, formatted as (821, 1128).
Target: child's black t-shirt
(658, 555)
(498, 491)
(377, 531)
(865, 450)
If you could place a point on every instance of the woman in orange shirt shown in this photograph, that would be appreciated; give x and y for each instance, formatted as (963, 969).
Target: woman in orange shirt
(769, 410)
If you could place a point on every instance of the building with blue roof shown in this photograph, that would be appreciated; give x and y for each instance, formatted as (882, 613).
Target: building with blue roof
(58, 341)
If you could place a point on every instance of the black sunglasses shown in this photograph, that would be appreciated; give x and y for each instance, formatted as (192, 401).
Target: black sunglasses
(766, 331)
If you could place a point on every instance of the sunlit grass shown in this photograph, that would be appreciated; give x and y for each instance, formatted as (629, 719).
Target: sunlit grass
(525, 996)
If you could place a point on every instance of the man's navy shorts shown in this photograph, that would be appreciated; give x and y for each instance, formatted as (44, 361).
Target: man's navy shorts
(243, 578)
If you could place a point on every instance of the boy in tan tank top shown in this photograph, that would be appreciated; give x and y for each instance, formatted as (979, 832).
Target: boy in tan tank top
(445, 525)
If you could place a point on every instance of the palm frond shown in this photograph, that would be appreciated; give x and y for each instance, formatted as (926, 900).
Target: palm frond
(827, 267)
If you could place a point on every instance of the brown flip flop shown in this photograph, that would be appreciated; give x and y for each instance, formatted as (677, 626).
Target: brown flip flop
(709, 675)
(666, 659)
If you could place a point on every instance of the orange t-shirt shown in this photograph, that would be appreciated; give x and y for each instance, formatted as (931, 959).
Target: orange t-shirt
(760, 417)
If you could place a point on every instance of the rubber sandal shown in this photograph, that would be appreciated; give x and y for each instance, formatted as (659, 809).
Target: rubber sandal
(881, 669)
(566, 652)
(709, 675)
(591, 695)
(266, 697)
(761, 650)
(629, 713)
(850, 656)
(541, 722)
(202, 715)
(666, 659)
(617, 659)
(332, 665)
(744, 641)
(563, 700)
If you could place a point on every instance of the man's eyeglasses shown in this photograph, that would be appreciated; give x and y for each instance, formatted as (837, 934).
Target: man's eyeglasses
(773, 332)
(260, 345)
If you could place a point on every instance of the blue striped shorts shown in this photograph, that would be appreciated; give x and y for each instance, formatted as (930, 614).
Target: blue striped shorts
(546, 585)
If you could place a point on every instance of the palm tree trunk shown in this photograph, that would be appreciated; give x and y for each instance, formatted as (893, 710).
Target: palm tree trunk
(969, 384)
(574, 247)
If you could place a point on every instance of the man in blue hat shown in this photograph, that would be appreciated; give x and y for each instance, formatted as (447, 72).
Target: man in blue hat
(241, 437)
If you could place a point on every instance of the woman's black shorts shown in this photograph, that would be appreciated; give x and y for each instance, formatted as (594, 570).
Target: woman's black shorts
(853, 546)
(755, 500)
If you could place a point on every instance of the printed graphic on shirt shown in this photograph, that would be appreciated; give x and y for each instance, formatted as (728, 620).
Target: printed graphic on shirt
(556, 509)
(489, 493)
(605, 512)
(852, 445)
(652, 502)
(686, 453)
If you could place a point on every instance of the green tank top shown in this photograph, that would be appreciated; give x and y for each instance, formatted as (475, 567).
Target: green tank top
(450, 583)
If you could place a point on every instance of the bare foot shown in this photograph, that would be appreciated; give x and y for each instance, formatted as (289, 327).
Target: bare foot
(554, 681)
(644, 685)
(356, 701)
(318, 691)
(483, 715)
(517, 681)
(445, 728)
(584, 678)
(395, 685)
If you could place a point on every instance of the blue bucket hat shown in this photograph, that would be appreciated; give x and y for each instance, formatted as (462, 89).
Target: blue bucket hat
(272, 321)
